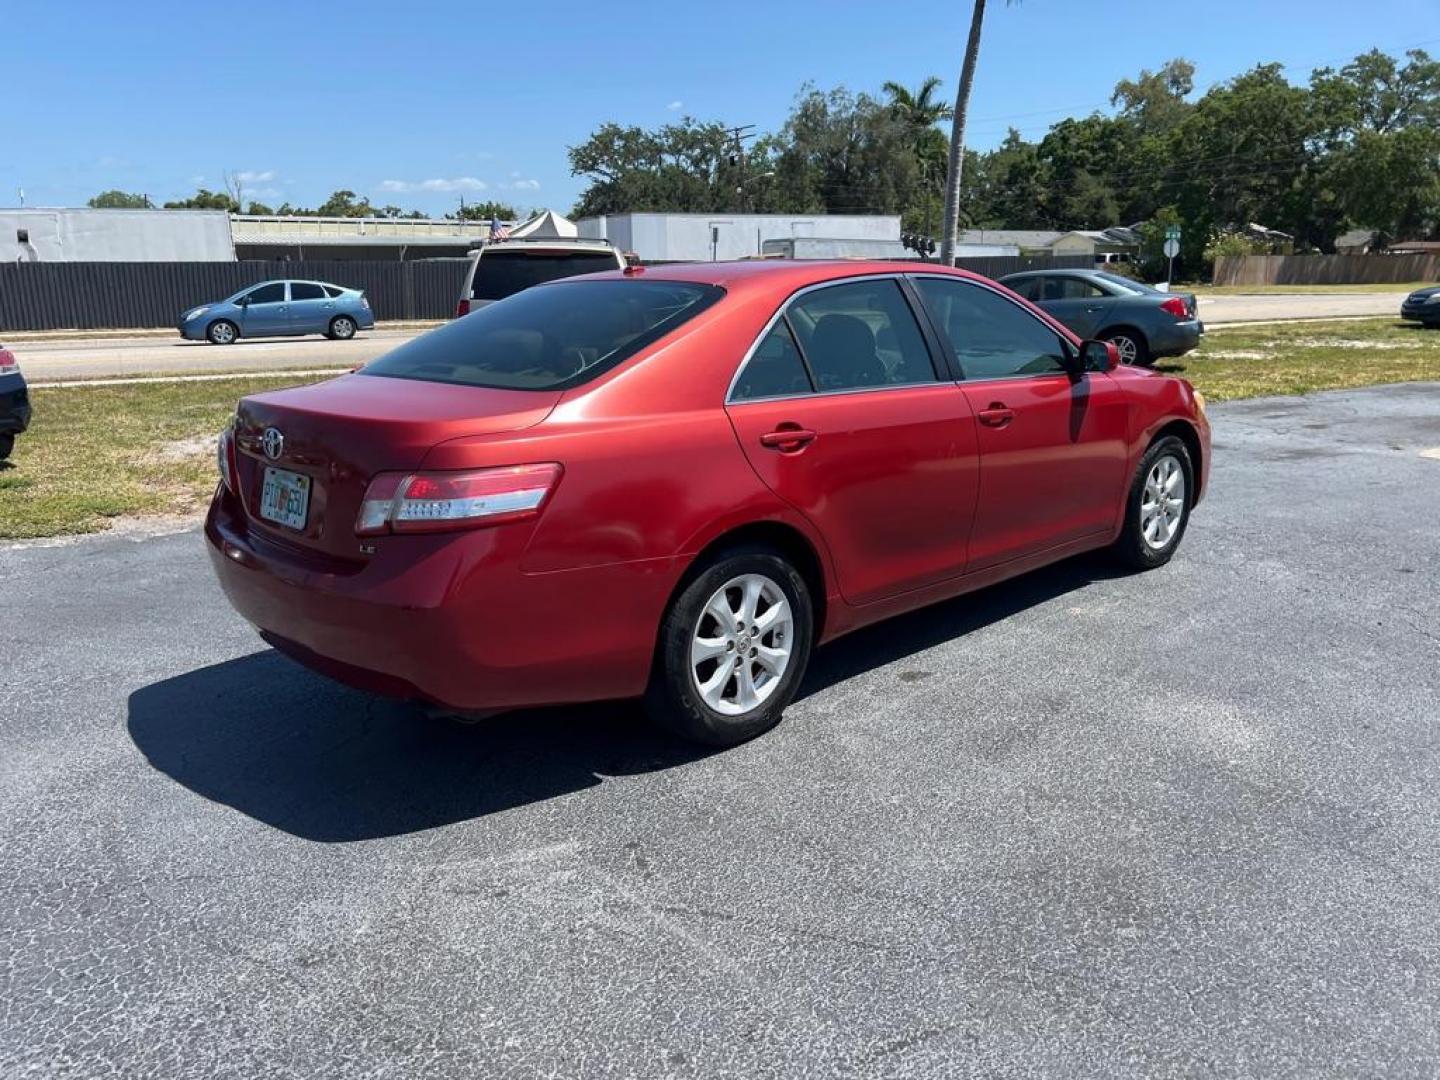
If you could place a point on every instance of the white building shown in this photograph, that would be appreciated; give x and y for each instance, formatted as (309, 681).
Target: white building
(39, 234)
(664, 237)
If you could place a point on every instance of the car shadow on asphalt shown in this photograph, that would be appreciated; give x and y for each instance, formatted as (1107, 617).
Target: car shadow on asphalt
(328, 764)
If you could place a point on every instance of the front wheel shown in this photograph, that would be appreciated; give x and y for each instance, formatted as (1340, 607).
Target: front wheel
(1158, 508)
(342, 328)
(733, 649)
(1132, 348)
(222, 332)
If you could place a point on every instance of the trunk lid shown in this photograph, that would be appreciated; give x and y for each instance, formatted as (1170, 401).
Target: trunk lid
(340, 433)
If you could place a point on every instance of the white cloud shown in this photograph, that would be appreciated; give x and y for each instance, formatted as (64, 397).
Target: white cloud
(198, 179)
(676, 105)
(458, 183)
(526, 185)
(255, 176)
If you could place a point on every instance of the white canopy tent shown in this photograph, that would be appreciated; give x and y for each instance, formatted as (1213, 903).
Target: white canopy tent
(546, 225)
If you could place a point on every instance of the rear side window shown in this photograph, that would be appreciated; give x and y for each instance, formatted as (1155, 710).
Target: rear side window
(501, 273)
(1069, 288)
(549, 338)
(993, 337)
(775, 368)
(306, 290)
(861, 334)
(331, 291)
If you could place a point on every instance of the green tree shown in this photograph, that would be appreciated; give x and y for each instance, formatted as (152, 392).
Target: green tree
(486, 211)
(687, 167)
(205, 199)
(119, 200)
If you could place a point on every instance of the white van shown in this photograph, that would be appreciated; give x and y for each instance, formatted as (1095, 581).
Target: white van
(504, 267)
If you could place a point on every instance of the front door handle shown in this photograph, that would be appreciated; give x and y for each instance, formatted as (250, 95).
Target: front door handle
(997, 415)
(788, 439)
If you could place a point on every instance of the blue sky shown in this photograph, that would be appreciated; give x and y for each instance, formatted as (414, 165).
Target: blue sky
(419, 103)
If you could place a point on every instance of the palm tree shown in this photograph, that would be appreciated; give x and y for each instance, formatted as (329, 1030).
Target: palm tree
(918, 109)
(957, 137)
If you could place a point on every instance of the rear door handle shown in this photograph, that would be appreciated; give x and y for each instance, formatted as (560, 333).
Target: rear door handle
(788, 439)
(997, 415)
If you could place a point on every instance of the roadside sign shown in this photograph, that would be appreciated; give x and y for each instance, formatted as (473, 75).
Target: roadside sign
(1172, 247)
(1172, 232)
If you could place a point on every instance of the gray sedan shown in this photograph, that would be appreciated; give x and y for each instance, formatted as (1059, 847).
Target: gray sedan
(280, 309)
(1143, 322)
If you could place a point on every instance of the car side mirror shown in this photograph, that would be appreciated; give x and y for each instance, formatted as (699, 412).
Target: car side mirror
(244, 301)
(1099, 356)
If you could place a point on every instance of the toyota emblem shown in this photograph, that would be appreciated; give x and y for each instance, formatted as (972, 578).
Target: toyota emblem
(273, 443)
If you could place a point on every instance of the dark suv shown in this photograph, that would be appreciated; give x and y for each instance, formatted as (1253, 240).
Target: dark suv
(14, 402)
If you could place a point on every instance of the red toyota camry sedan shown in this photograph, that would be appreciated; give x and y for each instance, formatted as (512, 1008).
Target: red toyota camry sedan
(674, 482)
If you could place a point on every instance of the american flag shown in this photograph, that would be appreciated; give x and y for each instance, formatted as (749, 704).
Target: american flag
(498, 231)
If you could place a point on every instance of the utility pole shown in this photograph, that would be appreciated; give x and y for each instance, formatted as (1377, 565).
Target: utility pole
(737, 156)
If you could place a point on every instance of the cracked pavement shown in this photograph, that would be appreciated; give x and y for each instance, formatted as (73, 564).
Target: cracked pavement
(1082, 823)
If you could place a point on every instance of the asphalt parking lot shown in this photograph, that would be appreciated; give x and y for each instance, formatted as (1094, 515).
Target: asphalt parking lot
(1084, 824)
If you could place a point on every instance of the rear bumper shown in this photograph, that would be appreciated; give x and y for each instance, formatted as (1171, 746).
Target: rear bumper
(14, 405)
(1176, 339)
(449, 618)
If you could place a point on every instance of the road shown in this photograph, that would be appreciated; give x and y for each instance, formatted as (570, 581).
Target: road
(1175, 824)
(84, 358)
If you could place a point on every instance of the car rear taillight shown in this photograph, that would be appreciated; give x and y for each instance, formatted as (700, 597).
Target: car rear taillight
(364, 301)
(1175, 306)
(434, 501)
(8, 364)
(225, 460)
(462, 309)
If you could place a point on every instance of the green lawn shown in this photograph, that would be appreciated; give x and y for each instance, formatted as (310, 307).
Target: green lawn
(99, 453)
(1299, 357)
(93, 454)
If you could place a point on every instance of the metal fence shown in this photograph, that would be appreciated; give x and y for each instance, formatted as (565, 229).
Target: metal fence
(110, 295)
(117, 296)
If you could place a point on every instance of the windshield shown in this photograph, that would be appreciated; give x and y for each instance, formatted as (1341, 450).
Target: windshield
(1125, 283)
(499, 273)
(549, 338)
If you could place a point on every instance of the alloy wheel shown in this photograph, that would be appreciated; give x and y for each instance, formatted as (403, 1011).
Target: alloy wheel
(742, 644)
(1128, 350)
(1162, 505)
(222, 333)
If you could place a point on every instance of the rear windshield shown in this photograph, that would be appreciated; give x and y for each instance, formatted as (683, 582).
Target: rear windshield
(1125, 283)
(550, 338)
(499, 274)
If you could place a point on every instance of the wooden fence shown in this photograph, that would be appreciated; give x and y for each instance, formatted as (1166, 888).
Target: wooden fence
(1325, 269)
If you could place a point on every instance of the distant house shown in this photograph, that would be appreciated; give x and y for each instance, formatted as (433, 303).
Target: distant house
(1115, 244)
(1355, 242)
(1414, 247)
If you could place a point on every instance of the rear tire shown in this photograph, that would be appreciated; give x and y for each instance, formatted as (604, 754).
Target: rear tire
(733, 648)
(1134, 349)
(1158, 507)
(7, 445)
(342, 328)
(222, 332)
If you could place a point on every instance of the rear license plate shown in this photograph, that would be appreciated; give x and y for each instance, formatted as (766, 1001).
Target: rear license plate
(285, 498)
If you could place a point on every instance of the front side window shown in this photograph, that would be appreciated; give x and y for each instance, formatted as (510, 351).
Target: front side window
(861, 335)
(1028, 287)
(549, 338)
(274, 293)
(501, 273)
(305, 290)
(993, 337)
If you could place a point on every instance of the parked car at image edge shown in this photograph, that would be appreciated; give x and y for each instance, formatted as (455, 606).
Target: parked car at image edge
(1145, 323)
(674, 482)
(502, 268)
(1423, 306)
(280, 309)
(14, 402)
